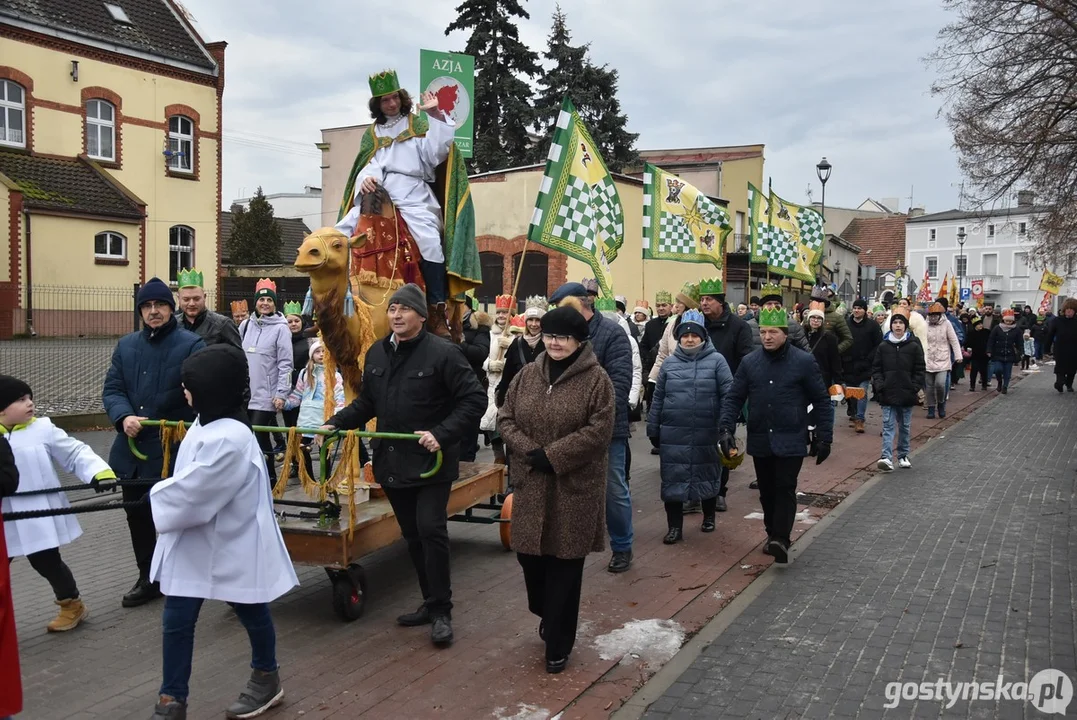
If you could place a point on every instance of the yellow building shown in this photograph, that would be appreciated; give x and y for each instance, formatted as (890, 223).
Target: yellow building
(110, 157)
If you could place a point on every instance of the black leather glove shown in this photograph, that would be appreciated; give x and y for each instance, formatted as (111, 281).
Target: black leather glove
(822, 452)
(726, 442)
(655, 441)
(648, 393)
(540, 462)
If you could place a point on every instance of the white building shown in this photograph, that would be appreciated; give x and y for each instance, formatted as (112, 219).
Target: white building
(996, 251)
(305, 206)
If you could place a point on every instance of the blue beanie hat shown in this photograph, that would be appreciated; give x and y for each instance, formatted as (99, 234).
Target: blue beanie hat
(692, 322)
(569, 289)
(155, 289)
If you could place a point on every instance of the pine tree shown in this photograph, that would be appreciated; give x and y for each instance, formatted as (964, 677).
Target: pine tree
(593, 91)
(503, 111)
(256, 237)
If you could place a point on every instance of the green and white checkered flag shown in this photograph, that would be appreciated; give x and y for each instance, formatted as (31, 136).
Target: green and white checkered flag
(787, 237)
(578, 211)
(679, 222)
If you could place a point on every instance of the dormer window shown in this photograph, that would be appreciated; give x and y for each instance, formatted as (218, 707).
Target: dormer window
(118, 14)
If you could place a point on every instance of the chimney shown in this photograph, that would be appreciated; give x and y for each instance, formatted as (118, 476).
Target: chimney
(916, 212)
(1025, 198)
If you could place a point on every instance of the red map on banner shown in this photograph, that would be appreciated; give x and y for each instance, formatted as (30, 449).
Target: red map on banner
(447, 96)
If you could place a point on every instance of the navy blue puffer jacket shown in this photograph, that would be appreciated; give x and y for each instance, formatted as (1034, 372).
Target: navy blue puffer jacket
(614, 352)
(144, 380)
(779, 386)
(684, 416)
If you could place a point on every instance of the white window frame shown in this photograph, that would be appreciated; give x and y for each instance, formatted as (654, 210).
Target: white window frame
(108, 255)
(181, 139)
(96, 127)
(176, 245)
(991, 230)
(927, 266)
(1013, 267)
(961, 272)
(932, 234)
(1022, 228)
(12, 137)
(983, 263)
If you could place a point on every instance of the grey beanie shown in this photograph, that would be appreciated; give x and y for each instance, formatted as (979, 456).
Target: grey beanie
(411, 296)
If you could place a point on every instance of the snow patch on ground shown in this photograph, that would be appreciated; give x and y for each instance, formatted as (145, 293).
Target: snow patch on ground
(717, 595)
(523, 712)
(653, 642)
(754, 516)
(806, 518)
(584, 629)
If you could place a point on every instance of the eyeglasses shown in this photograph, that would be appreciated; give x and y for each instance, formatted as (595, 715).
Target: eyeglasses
(558, 338)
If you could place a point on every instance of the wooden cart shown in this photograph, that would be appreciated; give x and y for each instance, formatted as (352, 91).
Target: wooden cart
(311, 541)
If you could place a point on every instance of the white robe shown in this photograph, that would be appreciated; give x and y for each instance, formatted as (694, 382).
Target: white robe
(218, 537)
(488, 423)
(404, 169)
(36, 447)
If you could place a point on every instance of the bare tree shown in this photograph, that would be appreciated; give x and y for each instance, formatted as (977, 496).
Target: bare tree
(1008, 77)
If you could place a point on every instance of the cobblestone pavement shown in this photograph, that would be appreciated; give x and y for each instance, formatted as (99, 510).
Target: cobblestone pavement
(631, 624)
(67, 374)
(959, 569)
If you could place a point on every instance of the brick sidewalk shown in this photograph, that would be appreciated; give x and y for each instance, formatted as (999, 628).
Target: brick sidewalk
(958, 569)
(110, 668)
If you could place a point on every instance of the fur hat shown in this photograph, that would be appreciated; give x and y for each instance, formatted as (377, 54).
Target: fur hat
(565, 320)
(1069, 304)
(478, 319)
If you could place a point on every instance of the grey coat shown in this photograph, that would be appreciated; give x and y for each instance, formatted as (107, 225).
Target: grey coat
(684, 416)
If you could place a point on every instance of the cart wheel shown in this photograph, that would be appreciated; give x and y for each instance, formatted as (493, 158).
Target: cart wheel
(349, 593)
(505, 528)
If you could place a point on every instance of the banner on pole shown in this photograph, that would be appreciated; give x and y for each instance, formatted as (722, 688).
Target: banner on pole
(1051, 283)
(451, 77)
(679, 222)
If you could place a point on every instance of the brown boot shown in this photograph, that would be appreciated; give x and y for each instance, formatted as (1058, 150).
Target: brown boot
(859, 427)
(72, 612)
(436, 322)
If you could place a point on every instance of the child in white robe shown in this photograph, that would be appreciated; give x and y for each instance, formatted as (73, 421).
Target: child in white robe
(218, 536)
(37, 445)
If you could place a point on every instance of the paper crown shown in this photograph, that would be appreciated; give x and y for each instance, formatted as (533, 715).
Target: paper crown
(712, 286)
(189, 278)
(384, 83)
(505, 302)
(643, 304)
(878, 308)
(819, 292)
(590, 285)
(293, 308)
(770, 292)
(536, 302)
(239, 306)
(663, 296)
(775, 318)
(693, 316)
(689, 295)
(1008, 312)
(605, 304)
(265, 286)
(621, 299)
(518, 321)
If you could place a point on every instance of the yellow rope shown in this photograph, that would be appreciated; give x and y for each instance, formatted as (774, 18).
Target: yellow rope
(170, 435)
(347, 473)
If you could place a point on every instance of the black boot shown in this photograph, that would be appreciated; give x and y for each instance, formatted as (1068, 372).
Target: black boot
(675, 535)
(441, 632)
(708, 524)
(143, 592)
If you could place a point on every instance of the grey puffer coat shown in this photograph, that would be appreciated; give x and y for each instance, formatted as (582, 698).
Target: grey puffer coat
(684, 416)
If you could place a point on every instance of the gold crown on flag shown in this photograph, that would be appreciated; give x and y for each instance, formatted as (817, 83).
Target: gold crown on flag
(384, 83)
(189, 278)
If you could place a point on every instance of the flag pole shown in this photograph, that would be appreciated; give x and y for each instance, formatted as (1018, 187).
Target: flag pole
(770, 223)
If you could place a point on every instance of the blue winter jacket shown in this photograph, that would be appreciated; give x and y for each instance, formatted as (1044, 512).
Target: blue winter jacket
(614, 353)
(684, 416)
(779, 386)
(144, 380)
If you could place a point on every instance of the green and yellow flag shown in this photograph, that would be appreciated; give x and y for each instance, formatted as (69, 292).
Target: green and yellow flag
(680, 222)
(787, 237)
(578, 211)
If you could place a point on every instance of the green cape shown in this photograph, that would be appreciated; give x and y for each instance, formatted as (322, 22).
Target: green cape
(453, 192)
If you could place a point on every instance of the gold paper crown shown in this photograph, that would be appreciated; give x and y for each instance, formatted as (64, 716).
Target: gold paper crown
(189, 278)
(239, 306)
(770, 290)
(711, 286)
(505, 302)
(663, 296)
(384, 83)
(264, 286)
(773, 318)
(293, 308)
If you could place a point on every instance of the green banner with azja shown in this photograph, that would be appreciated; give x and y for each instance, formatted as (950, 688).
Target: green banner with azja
(452, 78)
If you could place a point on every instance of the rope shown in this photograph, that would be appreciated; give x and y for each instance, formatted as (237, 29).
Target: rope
(171, 435)
(104, 485)
(94, 507)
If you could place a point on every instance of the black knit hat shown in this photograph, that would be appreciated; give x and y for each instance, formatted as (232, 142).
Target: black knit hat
(11, 389)
(155, 289)
(944, 302)
(860, 303)
(412, 296)
(565, 320)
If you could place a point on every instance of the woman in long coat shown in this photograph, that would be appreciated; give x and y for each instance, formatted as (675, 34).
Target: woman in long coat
(1061, 340)
(557, 422)
(683, 423)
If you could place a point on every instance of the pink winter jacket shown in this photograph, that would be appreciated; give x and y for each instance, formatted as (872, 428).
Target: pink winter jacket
(941, 342)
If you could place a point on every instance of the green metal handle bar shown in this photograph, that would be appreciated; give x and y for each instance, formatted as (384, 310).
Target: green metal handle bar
(332, 434)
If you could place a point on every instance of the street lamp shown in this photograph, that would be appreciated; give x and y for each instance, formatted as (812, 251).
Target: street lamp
(823, 171)
(961, 266)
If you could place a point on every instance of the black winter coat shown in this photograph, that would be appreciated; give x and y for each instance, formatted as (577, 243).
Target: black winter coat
(1061, 340)
(778, 387)
(731, 336)
(897, 374)
(518, 354)
(476, 345)
(1006, 346)
(614, 352)
(300, 353)
(976, 343)
(423, 384)
(214, 328)
(648, 342)
(824, 348)
(9, 471)
(856, 363)
(144, 380)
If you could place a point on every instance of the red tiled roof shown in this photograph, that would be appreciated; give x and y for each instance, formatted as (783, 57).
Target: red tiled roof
(884, 237)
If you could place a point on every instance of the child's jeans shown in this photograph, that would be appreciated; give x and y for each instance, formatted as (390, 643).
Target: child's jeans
(900, 419)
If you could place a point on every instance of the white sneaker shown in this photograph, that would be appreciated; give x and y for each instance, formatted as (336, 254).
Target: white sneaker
(904, 463)
(885, 465)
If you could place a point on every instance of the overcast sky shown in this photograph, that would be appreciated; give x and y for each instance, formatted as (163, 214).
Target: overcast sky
(840, 78)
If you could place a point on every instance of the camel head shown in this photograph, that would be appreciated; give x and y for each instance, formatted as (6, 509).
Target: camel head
(326, 253)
